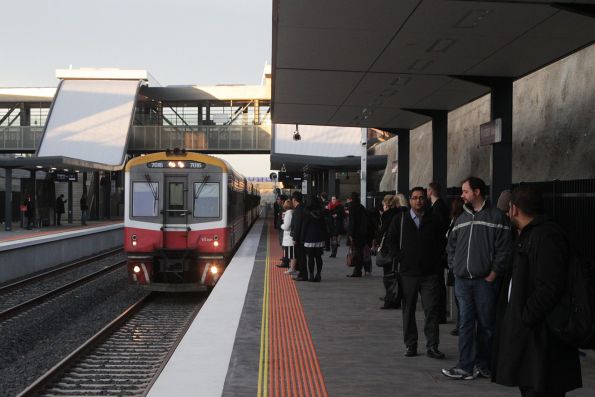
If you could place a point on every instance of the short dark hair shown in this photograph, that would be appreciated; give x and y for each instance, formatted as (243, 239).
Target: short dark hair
(477, 183)
(529, 199)
(354, 195)
(297, 196)
(435, 186)
(417, 189)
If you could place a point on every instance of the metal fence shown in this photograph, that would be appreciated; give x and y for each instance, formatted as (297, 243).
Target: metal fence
(572, 205)
(219, 138)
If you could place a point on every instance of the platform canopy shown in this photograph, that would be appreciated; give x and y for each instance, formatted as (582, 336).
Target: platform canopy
(91, 115)
(362, 63)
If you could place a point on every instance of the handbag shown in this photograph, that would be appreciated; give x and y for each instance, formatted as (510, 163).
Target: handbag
(383, 259)
(349, 258)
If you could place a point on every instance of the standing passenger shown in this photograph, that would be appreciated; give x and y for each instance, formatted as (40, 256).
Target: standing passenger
(416, 241)
(479, 248)
(84, 209)
(288, 248)
(314, 236)
(390, 301)
(60, 209)
(29, 212)
(527, 353)
(296, 231)
(358, 235)
(337, 214)
(438, 208)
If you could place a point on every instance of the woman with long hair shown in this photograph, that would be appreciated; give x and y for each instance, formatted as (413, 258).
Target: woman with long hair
(314, 235)
(287, 241)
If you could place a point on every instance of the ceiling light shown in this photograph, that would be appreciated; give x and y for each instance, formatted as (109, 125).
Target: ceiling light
(296, 134)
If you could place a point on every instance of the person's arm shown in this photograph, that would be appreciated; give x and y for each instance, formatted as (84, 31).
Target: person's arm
(287, 220)
(392, 238)
(549, 272)
(502, 249)
(451, 245)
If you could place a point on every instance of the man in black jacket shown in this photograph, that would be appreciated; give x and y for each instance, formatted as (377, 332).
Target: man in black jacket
(297, 221)
(418, 249)
(439, 209)
(527, 353)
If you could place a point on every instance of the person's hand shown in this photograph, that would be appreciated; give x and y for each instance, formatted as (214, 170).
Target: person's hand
(491, 277)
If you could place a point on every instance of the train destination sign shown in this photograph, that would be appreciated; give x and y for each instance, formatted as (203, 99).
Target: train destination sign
(195, 165)
(64, 176)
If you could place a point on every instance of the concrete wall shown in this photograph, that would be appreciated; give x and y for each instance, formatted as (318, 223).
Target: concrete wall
(24, 257)
(553, 130)
(554, 121)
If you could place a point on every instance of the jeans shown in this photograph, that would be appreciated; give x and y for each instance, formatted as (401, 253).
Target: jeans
(477, 304)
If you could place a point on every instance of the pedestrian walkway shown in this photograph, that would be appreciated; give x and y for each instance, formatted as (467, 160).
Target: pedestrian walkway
(331, 338)
(18, 233)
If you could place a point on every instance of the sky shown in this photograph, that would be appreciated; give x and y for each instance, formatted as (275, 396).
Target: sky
(180, 42)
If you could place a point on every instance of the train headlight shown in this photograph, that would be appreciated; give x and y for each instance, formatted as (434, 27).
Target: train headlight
(133, 238)
(136, 269)
(216, 243)
(171, 164)
(214, 269)
(180, 164)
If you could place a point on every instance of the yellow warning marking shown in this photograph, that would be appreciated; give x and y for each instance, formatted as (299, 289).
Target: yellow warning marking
(263, 367)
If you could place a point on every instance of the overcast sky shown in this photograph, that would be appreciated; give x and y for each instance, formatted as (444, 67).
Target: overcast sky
(178, 41)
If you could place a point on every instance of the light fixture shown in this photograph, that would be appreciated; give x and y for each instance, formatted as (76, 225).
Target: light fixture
(296, 134)
(171, 164)
(283, 169)
(180, 164)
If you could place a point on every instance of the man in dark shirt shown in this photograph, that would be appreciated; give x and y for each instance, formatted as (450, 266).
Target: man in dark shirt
(415, 239)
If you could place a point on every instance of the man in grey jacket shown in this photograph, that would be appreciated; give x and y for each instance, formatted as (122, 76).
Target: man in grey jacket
(479, 249)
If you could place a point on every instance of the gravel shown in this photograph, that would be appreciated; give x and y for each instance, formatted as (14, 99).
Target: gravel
(35, 341)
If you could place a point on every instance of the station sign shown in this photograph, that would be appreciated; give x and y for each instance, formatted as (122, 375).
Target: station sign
(490, 132)
(176, 164)
(63, 176)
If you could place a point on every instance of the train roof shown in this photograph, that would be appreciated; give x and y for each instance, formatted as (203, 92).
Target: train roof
(203, 158)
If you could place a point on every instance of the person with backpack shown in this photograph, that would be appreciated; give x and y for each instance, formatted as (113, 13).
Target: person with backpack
(527, 353)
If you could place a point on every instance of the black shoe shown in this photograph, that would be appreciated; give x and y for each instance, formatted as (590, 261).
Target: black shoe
(354, 275)
(454, 332)
(317, 278)
(387, 307)
(282, 265)
(433, 352)
(301, 279)
(411, 351)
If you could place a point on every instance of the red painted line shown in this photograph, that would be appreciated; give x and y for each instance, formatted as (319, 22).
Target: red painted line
(293, 363)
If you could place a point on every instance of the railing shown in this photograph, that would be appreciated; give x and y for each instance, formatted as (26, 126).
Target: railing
(219, 138)
(20, 139)
(213, 138)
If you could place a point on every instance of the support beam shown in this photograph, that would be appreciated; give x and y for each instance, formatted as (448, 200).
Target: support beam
(501, 107)
(363, 173)
(403, 163)
(439, 143)
(70, 206)
(332, 176)
(8, 199)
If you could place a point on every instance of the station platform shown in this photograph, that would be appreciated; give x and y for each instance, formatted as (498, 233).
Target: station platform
(261, 333)
(25, 252)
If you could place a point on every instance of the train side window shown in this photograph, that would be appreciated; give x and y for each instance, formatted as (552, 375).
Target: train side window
(144, 198)
(206, 200)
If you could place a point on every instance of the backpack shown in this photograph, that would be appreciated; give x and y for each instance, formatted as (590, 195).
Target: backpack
(573, 318)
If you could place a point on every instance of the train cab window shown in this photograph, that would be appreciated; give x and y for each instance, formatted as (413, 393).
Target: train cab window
(206, 200)
(144, 198)
(176, 196)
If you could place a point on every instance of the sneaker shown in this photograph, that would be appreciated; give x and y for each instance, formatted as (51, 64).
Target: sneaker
(289, 271)
(481, 373)
(457, 373)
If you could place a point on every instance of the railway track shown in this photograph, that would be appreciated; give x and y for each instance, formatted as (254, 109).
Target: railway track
(124, 358)
(25, 294)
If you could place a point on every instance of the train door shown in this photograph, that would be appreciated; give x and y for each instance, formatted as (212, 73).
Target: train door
(176, 206)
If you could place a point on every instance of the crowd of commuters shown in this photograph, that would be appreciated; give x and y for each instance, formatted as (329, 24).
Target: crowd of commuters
(506, 263)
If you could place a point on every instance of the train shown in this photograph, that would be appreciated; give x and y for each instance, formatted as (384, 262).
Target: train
(185, 215)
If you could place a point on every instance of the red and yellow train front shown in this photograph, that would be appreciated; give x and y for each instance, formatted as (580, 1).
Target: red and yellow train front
(176, 236)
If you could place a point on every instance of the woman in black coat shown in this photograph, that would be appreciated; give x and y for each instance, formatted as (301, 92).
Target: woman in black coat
(526, 353)
(391, 300)
(313, 235)
(336, 224)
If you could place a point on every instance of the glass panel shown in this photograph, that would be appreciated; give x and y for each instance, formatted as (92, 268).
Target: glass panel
(176, 196)
(144, 198)
(206, 200)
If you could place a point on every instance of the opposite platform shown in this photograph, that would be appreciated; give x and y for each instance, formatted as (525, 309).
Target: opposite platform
(314, 339)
